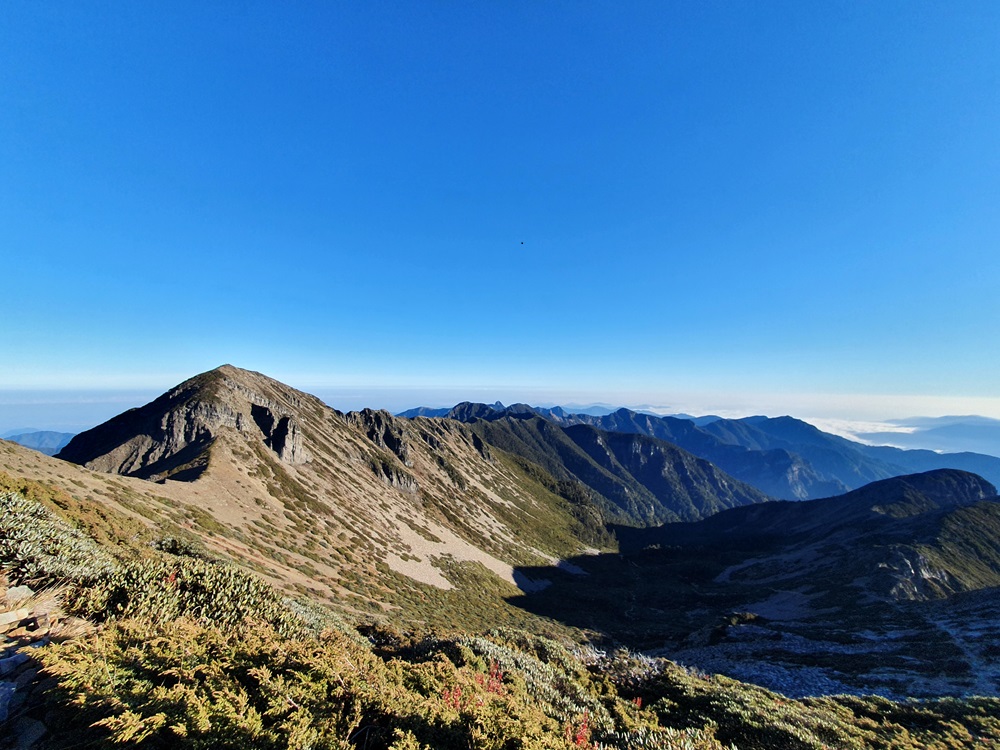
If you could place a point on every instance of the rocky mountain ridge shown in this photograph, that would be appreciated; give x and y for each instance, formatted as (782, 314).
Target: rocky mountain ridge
(171, 436)
(337, 505)
(783, 457)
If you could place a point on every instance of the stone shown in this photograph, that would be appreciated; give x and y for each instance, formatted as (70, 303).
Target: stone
(7, 690)
(18, 594)
(12, 663)
(26, 629)
(27, 732)
(10, 619)
(26, 677)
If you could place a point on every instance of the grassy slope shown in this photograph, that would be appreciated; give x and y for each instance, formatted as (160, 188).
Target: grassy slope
(635, 479)
(201, 655)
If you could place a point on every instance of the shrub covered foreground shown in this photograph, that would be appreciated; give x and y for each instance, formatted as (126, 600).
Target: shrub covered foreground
(184, 684)
(168, 580)
(197, 653)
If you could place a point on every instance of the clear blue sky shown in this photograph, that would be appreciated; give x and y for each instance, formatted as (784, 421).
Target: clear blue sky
(580, 199)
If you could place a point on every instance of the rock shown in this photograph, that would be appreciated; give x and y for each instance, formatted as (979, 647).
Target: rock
(11, 663)
(26, 677)
(27, 732)
(10, 619)
(7, 690)
(18, 594)
(910, 576)
(30, 627)
(282, 434)
(385, 431)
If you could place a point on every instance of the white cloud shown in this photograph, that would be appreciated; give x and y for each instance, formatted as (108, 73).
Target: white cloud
(856, 430)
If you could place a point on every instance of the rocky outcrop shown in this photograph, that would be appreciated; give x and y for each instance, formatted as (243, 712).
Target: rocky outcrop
(389, 471)
(282, 434)
(28, 622)
(392, 436)
(909, 576)
(384, 430)
(172, 436)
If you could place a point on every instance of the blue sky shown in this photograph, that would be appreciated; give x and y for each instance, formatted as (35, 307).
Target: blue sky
(770, 207)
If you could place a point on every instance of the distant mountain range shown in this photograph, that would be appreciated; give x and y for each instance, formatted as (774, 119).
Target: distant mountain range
(43, 441)
(949, 434)
(635, 477)
(783, 457)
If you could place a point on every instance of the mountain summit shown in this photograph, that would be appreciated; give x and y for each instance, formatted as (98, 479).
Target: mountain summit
(172, 436)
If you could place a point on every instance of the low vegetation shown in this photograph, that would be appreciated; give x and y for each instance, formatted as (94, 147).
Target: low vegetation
(184, 684)
(193, 652)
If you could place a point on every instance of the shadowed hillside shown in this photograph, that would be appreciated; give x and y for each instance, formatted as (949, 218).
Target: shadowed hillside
(875, 579)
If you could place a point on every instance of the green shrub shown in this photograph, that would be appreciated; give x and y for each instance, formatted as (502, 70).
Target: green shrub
(38, 548)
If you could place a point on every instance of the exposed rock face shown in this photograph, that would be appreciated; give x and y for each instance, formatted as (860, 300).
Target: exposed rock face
(172, 436)
(385, 430)
(909, 575)
(392, 436)
(394, 475)
(281, 434)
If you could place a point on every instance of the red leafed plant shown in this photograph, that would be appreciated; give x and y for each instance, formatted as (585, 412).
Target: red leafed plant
(453, 697)
(494, 682)
(580, 735)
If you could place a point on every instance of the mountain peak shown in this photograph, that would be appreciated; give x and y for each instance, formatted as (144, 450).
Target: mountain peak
(172, 435)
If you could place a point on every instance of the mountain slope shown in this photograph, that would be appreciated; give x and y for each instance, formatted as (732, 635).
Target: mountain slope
(207, 656)
(889, 539)
(637, 479)
(340, 505)
(890, 588)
